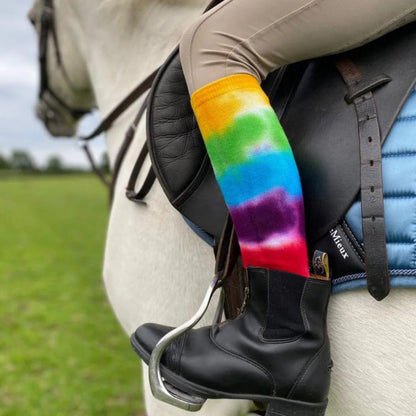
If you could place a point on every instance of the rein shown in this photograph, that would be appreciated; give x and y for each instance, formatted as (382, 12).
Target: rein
(108, 121)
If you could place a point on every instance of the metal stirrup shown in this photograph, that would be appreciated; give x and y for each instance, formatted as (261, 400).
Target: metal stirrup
(157, 385)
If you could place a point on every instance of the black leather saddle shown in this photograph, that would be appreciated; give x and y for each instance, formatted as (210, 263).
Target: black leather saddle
(322, 127)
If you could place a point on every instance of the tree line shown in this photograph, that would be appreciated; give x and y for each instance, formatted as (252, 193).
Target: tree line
(21, 161)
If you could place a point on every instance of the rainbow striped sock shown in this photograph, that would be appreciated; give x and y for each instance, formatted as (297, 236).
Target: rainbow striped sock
(256, 171)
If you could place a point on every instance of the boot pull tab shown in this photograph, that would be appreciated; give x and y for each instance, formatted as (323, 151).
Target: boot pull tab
(320, 265)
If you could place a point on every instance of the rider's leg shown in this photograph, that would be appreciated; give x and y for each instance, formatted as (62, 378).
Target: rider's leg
(256, 171)
(277, 350)
(256, 37)
(224, 55)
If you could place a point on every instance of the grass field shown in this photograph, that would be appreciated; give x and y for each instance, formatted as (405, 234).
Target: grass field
(62, 353)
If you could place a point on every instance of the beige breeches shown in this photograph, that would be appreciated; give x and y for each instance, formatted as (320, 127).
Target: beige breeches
(258, 36)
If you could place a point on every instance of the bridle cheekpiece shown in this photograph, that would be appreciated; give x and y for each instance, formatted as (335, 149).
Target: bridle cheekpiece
(47, 27)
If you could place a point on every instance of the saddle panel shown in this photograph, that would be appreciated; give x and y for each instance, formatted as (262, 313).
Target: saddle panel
(321, 127)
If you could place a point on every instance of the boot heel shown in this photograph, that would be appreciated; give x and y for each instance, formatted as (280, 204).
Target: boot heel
(282, 407)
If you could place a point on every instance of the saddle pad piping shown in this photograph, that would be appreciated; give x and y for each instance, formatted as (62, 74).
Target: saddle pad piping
(399, 278)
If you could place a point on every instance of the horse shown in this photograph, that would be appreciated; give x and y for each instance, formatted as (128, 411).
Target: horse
(155, 267)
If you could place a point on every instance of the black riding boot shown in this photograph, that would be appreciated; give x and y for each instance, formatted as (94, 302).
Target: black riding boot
(275, 352)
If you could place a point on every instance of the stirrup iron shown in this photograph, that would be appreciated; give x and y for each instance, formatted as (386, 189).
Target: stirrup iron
(159, 389)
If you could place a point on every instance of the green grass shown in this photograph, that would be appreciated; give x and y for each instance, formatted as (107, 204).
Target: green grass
(62, 353)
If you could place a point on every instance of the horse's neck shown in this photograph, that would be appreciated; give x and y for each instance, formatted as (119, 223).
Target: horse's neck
(125, 42)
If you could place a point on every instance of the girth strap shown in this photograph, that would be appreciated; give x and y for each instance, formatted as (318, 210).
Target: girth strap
(372, 203)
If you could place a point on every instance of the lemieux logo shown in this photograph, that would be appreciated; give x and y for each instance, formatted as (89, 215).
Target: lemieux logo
(338, 242)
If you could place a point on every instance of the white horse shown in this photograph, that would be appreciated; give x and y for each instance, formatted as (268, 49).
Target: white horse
(156, 269)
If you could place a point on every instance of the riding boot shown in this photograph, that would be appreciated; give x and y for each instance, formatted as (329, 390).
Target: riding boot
(275, 352)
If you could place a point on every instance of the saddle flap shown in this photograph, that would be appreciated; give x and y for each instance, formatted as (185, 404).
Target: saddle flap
(178, 153)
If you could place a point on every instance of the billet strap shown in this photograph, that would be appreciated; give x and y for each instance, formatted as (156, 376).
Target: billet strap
(372, 203)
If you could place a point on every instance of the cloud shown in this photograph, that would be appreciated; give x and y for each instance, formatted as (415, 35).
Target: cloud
(17, 71)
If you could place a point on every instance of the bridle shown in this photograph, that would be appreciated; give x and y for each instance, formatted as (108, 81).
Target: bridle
(47, 28)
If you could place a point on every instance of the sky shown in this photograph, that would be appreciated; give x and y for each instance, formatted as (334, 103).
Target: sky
(19, 128)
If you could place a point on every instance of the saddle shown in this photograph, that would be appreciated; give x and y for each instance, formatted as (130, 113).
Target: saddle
(331, 108)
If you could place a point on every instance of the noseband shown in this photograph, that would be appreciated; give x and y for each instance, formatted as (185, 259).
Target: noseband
(47, 27)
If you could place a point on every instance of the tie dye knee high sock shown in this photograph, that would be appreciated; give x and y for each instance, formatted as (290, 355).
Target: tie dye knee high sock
(256, 171)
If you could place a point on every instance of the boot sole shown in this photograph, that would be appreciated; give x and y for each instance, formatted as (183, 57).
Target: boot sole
(275, 406)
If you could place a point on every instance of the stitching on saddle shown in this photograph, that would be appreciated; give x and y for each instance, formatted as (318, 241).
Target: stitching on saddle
(344, 223)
